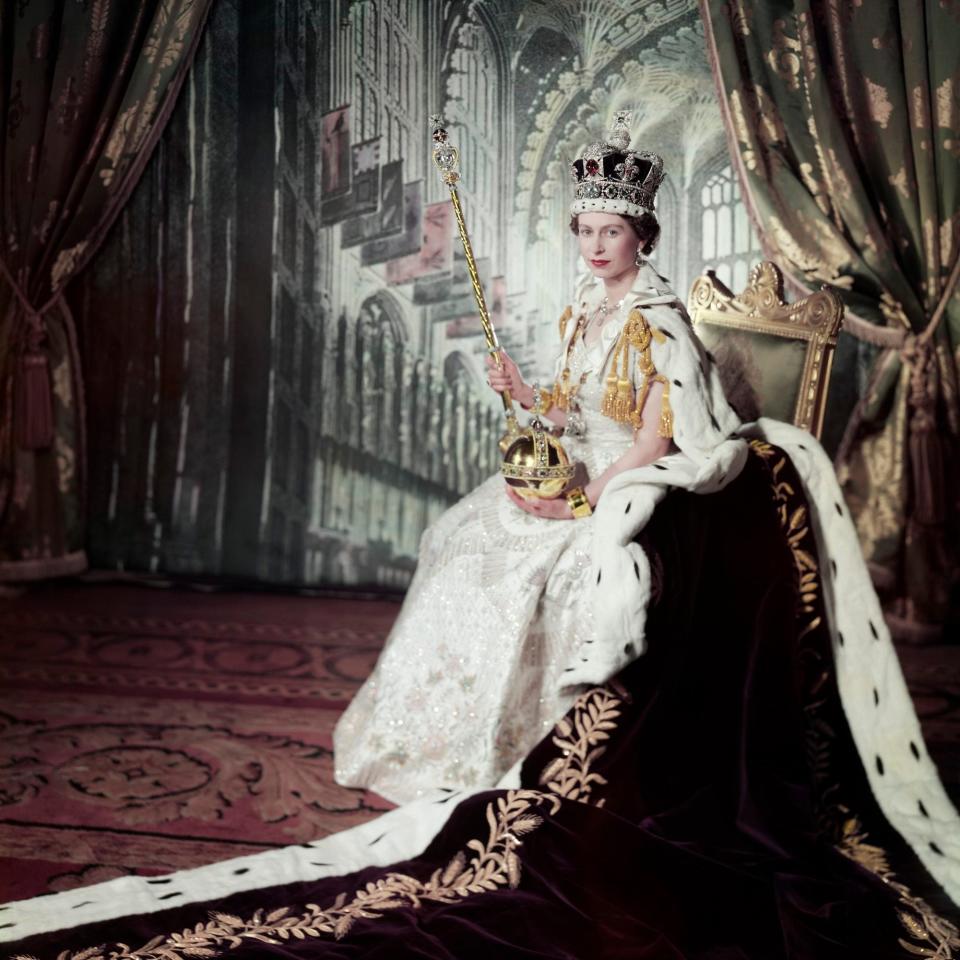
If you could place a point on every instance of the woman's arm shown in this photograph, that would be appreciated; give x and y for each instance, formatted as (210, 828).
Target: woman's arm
(646, 448)
(508, 377)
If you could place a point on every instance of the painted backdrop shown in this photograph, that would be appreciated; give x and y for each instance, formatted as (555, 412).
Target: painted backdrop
(282, 350)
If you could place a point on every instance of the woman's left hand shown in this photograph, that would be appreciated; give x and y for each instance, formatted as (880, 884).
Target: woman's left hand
(557, 509)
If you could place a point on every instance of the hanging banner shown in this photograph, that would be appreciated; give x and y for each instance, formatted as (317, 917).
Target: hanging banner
(388, 248)
(436, 247)
(433, 288)
(363, 196)
(392, 199)
(387, 219)
(335, 152)
(366, 176)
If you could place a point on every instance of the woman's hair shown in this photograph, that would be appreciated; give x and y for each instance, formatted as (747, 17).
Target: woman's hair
(646, 227)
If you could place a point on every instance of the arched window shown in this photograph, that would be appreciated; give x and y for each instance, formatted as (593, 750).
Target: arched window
(728, 244)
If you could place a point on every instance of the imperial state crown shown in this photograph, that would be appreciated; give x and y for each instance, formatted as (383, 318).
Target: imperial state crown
(611, 178)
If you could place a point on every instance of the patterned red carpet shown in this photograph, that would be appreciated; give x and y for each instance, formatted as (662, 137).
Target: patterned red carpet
(146, 730)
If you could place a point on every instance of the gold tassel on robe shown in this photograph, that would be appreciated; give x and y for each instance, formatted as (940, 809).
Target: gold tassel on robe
(618, 399)
(618, 396)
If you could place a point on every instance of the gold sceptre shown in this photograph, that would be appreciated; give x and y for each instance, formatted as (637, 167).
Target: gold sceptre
(447, 158)
(534, 461)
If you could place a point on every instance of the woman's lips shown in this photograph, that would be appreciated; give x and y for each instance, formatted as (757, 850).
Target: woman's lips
(599, 263)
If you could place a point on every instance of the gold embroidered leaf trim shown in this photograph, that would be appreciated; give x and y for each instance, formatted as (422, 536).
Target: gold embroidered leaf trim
(937, 937)
(569, 775)
(795, 523)
(494, 865)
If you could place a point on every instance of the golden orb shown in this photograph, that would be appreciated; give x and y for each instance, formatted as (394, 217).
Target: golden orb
(535, 464)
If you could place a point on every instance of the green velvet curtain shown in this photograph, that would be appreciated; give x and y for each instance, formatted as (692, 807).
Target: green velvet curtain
(843, 124)
(85, 90)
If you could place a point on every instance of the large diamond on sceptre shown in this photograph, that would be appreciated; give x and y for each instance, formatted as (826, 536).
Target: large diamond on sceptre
(534, 461)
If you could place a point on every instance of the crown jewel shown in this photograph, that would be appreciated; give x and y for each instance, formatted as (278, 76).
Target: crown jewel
(614, 179)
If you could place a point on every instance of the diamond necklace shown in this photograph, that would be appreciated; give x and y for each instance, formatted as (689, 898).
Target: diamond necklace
(605, 306)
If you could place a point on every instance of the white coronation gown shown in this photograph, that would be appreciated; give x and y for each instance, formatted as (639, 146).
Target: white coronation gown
(471, 677)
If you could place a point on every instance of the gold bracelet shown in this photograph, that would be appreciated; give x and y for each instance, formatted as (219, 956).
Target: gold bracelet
(579, 503)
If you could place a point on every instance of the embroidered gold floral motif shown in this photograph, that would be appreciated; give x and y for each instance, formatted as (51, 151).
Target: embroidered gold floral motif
(946, 105)
(818, 251)
(939, 937)
(569, 776)
(758, 126)
(784, 56)
(880, 106)
(119, 140)
(66, 463)
(935, 936)
(65, 264)
(494, 863)
(899, 180)
(63, 384)
(166, 40)
(796, 527)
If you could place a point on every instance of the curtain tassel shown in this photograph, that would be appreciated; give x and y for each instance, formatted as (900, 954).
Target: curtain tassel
(926, 462)
(34, 403)
(925, 445)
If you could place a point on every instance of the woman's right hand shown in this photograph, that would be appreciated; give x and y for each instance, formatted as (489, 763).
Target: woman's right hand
(508, 377)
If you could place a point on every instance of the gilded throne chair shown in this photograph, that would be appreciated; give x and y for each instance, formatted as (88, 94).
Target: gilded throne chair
(774, 358)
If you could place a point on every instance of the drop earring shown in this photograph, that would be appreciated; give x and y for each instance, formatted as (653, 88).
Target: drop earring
(639, 259)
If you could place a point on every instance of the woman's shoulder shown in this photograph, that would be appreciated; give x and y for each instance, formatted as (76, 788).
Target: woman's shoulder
(651, 289)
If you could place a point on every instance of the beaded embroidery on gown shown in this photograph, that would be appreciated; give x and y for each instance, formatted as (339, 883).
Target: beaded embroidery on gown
(471, 677)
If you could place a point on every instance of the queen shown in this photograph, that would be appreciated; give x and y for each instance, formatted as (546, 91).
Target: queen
(498, 631)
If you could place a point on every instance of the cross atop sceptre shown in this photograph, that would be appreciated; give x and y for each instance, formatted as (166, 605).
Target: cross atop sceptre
(445, 155)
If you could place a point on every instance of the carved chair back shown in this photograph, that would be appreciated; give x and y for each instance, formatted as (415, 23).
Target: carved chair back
(774, 357)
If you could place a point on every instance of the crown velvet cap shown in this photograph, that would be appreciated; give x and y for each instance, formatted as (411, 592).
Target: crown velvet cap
(611, 178)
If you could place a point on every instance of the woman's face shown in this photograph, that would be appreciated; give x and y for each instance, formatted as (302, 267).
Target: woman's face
(608, 244)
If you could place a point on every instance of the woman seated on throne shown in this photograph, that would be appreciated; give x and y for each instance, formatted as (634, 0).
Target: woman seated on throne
(659, 716)
(738, 603)
(478, 664)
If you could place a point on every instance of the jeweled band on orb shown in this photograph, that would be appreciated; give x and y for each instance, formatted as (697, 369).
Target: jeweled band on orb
(516, 471)
(579, 503)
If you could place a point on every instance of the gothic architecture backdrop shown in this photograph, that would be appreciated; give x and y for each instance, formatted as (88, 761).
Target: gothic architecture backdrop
(285, 361)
